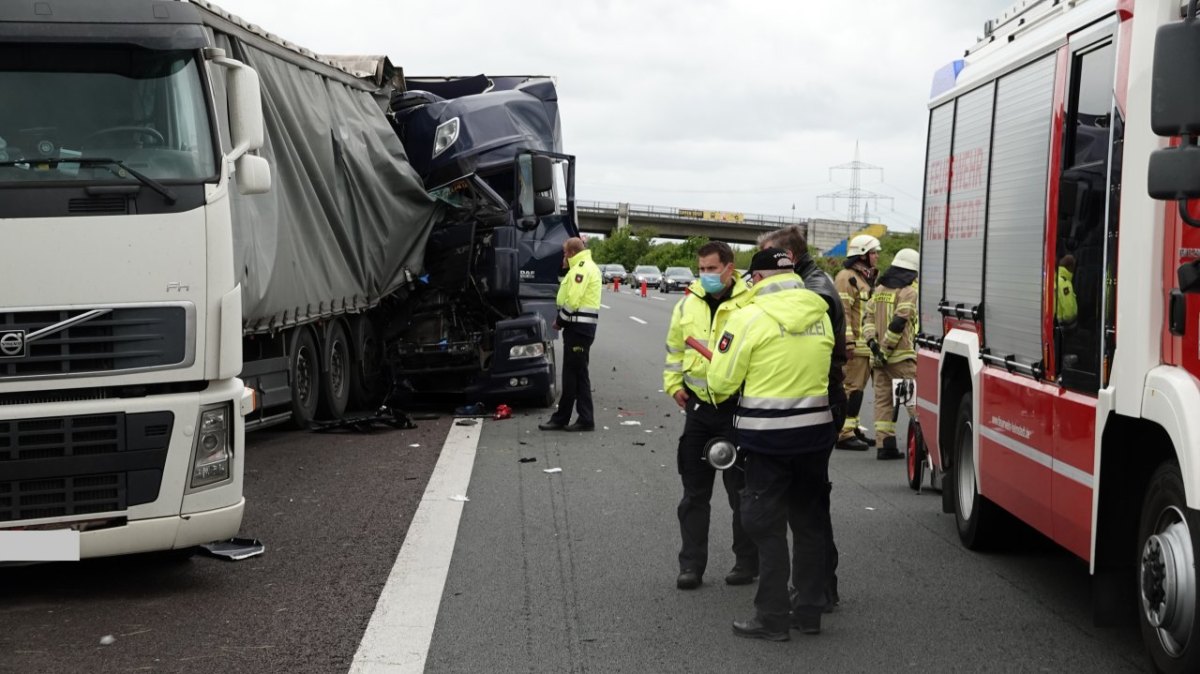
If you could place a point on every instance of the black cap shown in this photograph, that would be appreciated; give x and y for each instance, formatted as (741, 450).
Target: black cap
(771, 259)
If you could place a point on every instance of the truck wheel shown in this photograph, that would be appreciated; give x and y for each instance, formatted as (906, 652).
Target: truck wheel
(304, 373)
(550, 395)
(368, 378)
(335, 371)
(915, 456)
(974, 514)
(1167, 587)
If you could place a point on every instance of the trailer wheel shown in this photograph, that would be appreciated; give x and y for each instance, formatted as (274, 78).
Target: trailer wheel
(304, 374)
(335, 371)
(1167, 588)
(368, 379)
(915, 456)
(975, 515)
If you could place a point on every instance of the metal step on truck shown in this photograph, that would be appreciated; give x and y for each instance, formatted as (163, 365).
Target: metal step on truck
(208, 228)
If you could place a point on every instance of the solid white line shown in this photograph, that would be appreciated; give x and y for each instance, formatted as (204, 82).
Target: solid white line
(659, 299)
(638, 320)
(604, 306)
(1065, 469)
(397, 638)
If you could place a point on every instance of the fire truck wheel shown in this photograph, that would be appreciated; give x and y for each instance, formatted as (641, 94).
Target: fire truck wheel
(974, 514)
(1167, 575)
(304, 373)
(336, 370)
(915, 457)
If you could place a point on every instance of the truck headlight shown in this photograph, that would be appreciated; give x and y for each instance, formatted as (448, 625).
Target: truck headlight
(444, 137)
(212, 458)
(527, 351)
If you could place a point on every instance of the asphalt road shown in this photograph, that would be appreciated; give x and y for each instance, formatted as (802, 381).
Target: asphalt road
(566, 572)
(575, 572)
(332, 510)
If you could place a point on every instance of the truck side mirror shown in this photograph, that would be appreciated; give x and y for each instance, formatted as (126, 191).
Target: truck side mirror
(1175, 111)
(543, 174)
(535, 174)
(253, 174)
(246, 131)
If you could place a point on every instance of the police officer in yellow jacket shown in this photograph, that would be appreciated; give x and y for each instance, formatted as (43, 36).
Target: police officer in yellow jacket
(701, 316)
(578, 316)
(776, 350)
(889, 329)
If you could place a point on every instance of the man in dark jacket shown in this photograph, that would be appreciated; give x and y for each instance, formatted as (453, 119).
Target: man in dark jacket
(792, 239)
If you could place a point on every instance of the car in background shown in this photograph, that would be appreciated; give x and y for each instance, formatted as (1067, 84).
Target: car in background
(676, 278)
(611, 272)
(644, 272)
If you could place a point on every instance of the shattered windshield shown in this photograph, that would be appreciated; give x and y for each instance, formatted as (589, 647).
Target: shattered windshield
(143, 108)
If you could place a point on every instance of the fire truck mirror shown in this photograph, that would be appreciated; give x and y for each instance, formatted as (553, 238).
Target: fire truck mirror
(1174, 97)
(1175, 173)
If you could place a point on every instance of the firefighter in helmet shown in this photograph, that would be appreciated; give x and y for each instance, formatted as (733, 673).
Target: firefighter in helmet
(889, 328)
(854, 284)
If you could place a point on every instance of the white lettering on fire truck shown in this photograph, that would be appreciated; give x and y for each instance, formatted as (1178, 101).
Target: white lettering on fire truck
(1006, 425)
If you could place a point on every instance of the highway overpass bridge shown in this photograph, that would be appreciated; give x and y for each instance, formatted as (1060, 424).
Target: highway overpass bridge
(597, 217)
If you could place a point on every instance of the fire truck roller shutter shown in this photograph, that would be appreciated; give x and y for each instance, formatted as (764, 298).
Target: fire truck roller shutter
(968, 197)
(933, 220)
(1017, 212)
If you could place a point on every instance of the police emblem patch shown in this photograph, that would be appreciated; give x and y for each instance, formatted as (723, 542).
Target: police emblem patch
(726, 340)
(579, 278)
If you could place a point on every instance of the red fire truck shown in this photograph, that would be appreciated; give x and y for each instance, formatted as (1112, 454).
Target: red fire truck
(1060, 299)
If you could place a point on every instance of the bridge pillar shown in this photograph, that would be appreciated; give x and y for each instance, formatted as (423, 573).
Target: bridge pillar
(622, 216)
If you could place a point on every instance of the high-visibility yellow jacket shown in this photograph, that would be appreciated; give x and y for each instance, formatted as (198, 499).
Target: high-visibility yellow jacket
(579, 295)
(776, 350)
(895, 308)
(855, 290)
(1066, 306)
(692, 317)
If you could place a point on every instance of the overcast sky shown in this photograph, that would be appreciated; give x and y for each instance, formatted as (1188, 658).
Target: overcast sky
(711, 104)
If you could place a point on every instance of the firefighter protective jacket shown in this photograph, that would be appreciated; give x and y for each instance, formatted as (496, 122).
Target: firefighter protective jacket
(579, 295)
(776, 350)
(693, 318)
(894, 305)
(855, 290)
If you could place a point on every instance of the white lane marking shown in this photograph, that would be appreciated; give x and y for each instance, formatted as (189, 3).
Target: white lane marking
(659, 299)
(638, 320)
(604, 306)
(1065, 469)
(397, 638)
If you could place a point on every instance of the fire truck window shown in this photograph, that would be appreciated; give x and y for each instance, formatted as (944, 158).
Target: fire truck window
(1083, 195)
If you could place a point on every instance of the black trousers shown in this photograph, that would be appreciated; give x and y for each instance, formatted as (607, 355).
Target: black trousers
(783, 490)
(705, 422)
(576, 383)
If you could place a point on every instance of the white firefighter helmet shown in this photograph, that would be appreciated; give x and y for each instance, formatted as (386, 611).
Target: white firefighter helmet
(907, 258)
(862, 244)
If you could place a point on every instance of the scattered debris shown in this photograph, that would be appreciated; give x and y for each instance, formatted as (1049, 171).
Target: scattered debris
(366, 423)
(415, 445)
(606, 428)
(473, 410)
(502, 412)
(465, 422)
(631, 423)
(630, 413)
(870, 508)
(107, 640)
(522, 442)
(639, 443)
(460, 498)
(235, 549)
(552, 470)
(527, 459)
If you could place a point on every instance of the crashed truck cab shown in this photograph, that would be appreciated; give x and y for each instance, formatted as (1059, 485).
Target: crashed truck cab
(480, 319)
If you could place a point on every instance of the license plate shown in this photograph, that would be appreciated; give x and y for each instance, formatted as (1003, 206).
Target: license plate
(58, 545)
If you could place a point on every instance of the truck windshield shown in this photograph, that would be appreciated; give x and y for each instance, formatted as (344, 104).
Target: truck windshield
(143, 108)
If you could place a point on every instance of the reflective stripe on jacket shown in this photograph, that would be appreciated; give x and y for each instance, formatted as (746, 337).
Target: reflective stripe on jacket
(692, 318)
(579, 295)
(855, 290)
(894, 311)
(776, 350)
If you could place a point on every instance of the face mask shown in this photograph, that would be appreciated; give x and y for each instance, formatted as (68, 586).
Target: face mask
(711, 283)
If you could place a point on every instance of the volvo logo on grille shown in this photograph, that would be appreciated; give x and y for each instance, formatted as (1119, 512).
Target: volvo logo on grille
(12, 344)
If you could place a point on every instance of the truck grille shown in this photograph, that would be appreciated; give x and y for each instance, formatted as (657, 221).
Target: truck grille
(63, 466)
(116, 339)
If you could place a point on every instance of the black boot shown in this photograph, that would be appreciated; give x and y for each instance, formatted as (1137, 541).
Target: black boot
(757, 629)
(852, 443)
(741, 574)
(865, 438)
(888, 450)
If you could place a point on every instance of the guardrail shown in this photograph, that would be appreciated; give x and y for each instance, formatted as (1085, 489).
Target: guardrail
(671, 213)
